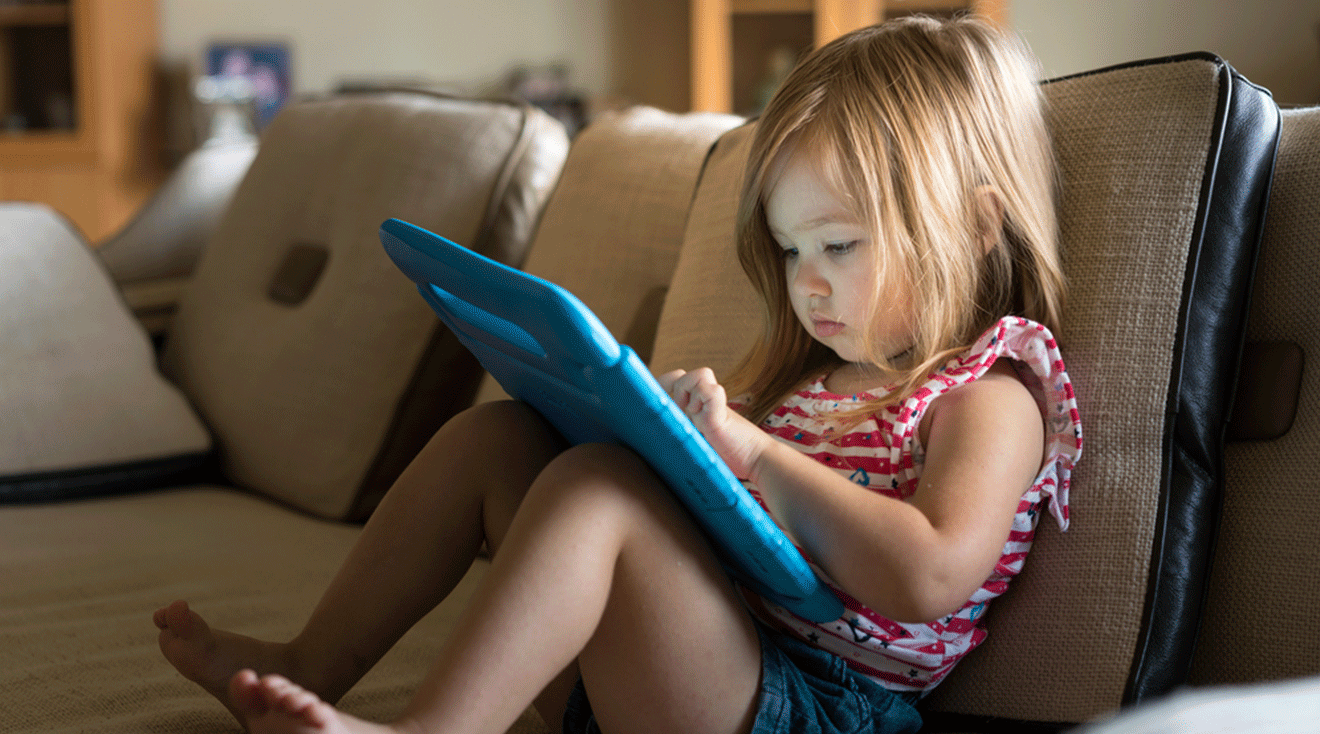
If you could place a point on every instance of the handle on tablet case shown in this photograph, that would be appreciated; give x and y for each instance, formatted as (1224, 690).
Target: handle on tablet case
(511, 300)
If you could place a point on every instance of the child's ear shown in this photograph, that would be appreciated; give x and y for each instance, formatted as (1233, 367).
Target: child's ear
(989, 217)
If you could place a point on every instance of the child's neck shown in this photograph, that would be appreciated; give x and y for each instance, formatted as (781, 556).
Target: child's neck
(851, 378)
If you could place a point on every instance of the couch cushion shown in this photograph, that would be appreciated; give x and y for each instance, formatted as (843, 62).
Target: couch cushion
(322, 403)
(1165, 167)
(1259, 621)
(79, 581)
(634, 172)
(83, 409)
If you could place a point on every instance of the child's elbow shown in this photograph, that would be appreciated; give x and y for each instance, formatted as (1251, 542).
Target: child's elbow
(927, 602)
(927, 596)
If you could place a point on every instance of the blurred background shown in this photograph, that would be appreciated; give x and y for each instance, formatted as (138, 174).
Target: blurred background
(639, 49)
(102, 98)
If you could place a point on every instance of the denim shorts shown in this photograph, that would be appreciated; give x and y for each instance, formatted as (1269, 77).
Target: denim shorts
(804, 690)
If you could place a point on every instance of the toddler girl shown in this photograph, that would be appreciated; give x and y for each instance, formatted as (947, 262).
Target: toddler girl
(897, 220)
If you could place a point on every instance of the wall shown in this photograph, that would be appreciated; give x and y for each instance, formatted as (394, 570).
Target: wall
(1275, 43)
(638, 49)
(469, 44)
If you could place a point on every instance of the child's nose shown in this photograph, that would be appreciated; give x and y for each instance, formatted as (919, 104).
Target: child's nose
(809, 281)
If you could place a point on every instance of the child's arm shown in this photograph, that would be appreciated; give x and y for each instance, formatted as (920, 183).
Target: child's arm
(913, 560)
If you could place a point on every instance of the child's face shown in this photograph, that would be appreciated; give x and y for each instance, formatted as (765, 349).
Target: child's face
(831, 267)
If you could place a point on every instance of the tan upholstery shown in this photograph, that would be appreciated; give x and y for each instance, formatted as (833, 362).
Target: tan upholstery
(634, 171)
(241, 561)
(316, 402)
(1132, 146)
(712, 315)
(1265, 589)
(78, 383)
(167, 235)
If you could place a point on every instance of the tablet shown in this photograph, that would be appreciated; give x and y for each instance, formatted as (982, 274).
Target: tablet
(546, 348)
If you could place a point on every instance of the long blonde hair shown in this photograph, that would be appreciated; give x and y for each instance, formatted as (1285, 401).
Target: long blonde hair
(910, 121)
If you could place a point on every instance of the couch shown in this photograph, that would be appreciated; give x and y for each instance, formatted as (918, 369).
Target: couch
(301, 371)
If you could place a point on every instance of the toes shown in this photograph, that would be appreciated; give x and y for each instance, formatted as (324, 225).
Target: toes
(182, 621)
(282, 694)
(246, 694)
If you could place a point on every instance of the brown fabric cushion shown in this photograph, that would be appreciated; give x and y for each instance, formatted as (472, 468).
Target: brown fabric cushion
(83, 409)
(317, 402)
(1133, 145)
(79, 582)
(712, 315)
(1264, 590)
(612, 231)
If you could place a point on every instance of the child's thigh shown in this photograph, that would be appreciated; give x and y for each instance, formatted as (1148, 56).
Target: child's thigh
(676, 649)
(488, 456)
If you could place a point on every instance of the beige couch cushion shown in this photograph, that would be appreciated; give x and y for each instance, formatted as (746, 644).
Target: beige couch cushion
(317, 402)
(623, 197)
(80, 396)
(1133, 145)
(1265, 589)
(78, 584)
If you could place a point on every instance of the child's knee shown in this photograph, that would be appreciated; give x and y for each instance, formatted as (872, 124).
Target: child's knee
(507, 427)
(601, 474)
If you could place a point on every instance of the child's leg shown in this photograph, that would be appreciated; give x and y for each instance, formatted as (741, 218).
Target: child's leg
(602, 566)
(463, 488)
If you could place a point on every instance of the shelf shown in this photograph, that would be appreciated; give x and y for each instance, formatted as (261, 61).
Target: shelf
(715, 23)
(79, 129)
(34, 15)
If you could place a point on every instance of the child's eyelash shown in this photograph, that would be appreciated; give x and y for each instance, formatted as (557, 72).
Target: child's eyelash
(841, 248)
(788, 253)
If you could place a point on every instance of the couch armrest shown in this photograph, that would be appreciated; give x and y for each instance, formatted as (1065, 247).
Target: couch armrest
(167, 235)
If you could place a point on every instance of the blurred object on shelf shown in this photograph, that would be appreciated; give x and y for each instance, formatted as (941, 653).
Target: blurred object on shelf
(265, 67)
(228, 104)
(779, 62)
(547, 87)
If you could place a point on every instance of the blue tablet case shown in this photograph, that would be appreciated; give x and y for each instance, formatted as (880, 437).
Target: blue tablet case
(548, 349)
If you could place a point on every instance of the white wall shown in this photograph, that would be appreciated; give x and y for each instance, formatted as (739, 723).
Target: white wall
(469, 43)
(639, 48)
(1275, 43)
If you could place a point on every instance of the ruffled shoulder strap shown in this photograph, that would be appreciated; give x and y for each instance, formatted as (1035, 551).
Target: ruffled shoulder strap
(1036, 356)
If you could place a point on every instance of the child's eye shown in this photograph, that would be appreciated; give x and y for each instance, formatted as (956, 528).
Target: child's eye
(788, 253)
(841, 248)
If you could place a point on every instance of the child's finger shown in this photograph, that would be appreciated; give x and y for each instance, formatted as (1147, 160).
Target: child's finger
(668, 379)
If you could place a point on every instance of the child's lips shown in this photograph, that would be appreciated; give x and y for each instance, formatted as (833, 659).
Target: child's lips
(825, 328)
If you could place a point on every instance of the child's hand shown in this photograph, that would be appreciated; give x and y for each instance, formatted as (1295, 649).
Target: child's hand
(732, 436)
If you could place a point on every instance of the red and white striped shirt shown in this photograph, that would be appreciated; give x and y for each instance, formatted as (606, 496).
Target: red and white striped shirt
(884, 454)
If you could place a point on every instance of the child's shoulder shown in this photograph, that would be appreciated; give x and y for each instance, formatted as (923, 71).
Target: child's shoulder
(998, 399)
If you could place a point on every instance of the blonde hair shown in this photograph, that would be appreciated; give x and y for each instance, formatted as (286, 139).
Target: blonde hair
(910, 121)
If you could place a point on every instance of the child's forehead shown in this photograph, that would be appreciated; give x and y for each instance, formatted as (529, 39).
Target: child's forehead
(813, 162)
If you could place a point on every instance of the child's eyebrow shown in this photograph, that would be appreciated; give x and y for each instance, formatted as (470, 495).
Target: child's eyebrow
(832, 218)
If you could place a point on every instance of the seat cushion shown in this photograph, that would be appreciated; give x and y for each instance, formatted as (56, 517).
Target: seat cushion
(1259, 620)
(321, 383)
(83, 409)
(1165, 170)
(79, 582)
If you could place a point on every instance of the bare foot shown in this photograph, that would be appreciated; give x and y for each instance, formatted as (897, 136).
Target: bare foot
(209, 657)
(272, 704)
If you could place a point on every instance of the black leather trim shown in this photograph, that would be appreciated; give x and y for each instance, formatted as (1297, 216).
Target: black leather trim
(105, 481)
(1212, 326)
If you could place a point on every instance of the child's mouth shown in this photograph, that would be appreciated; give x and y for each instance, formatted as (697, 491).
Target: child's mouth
(825, 329)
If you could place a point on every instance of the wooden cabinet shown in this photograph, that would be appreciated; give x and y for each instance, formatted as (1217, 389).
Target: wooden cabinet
(79, 120)
(737, 43)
